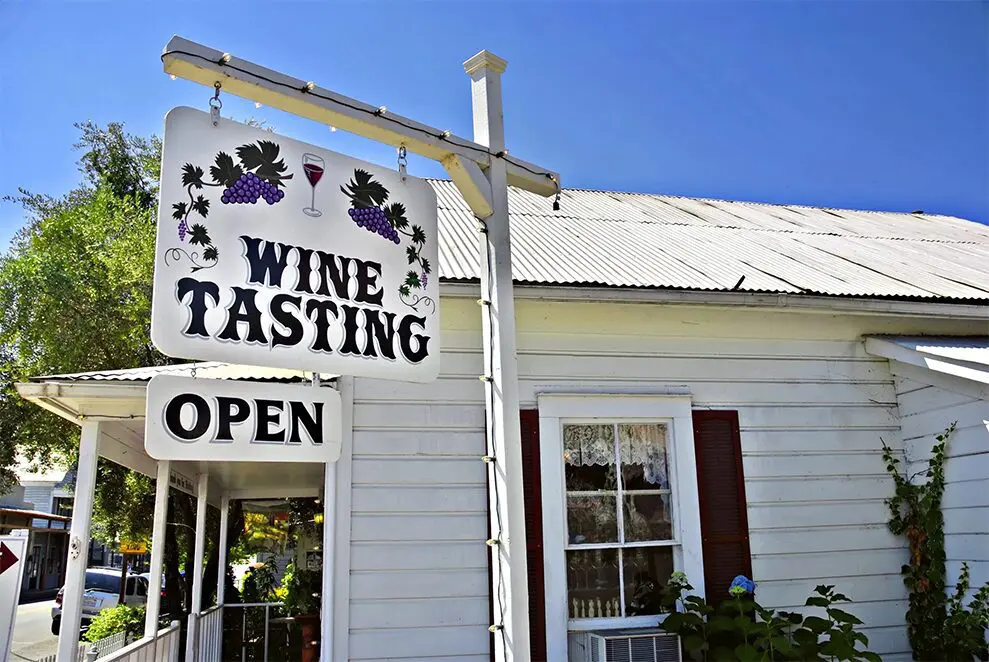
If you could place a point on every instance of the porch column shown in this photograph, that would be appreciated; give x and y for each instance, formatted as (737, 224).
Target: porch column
(82, 513)
(197, 568)
(221, 575)
(329, 534)
(510, 592)
(158, 547)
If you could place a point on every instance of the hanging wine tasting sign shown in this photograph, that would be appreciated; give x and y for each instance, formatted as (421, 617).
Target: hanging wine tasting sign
(272, 252)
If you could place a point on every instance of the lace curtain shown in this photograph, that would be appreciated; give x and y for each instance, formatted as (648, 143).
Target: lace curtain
(639, 444)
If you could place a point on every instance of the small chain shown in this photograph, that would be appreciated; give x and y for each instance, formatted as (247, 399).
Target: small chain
(403, 163)
(215, 104)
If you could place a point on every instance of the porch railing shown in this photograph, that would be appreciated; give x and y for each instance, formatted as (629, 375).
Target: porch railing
(246, 638)
(208, 629)
(163, 647)
(105, 646)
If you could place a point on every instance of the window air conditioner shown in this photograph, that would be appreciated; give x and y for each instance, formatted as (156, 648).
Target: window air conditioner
(625, 645)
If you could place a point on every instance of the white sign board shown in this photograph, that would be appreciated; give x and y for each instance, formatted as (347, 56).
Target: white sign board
(13, 554)
(272, 252)
(219, 420)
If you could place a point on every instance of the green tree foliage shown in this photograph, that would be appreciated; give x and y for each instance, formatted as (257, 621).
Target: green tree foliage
(75, 286)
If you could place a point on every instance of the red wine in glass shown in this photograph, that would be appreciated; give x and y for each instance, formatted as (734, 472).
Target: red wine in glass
(313, 166)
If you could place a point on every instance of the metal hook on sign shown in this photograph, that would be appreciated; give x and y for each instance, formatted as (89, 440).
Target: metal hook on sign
(215, 104)
(403, 163)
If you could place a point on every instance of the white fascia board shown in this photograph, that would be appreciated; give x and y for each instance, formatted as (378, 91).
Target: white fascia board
(802, 303)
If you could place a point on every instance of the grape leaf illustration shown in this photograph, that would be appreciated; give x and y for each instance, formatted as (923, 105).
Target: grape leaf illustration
(404, 290)
(411, 279)
(192, 175)
(412, 254)
(225, 172)
(418, 236)
(210, 254)
(363, 191)
(262, 158)
(396, 215)
(425, 266)
(179, 212)
(201, 206)
(198, 235)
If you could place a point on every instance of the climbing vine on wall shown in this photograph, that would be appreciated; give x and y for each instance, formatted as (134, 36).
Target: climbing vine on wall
(939, 626)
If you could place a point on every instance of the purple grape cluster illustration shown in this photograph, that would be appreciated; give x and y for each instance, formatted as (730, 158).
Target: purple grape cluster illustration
(375, 220)
(258, 173)
(368, 209)
(250, 188)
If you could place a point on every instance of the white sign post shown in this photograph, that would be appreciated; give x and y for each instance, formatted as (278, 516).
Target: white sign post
(218, 420)
(272, 252)
(13, 552)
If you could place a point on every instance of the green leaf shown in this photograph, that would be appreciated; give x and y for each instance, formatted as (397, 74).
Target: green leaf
(817, 624)
(225, 172)
(404, 290)
(363, 191)
(192, 175)
(262, 158)
(843, 616)
(815, 601)
(179, 212)
(198, 235)
(412, 280)
(747, 653)
(210, 254)
(201, 206)
(418, 236)
(396, 215)
(870, 656)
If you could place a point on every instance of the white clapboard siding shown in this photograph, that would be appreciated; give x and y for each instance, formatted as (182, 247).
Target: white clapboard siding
(419, 565)
(814, 409)
(926, 410)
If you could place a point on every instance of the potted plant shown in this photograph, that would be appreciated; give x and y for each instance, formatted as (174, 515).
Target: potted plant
(302, 588)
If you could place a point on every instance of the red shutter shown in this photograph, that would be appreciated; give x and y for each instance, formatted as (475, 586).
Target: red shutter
(532, 490)
(721, 487)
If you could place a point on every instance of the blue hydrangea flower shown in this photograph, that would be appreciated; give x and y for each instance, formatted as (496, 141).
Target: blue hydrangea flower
(741, 585)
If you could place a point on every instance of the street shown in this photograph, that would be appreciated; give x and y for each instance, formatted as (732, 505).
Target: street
(33, 638)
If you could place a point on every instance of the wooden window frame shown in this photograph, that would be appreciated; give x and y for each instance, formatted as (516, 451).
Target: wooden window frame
(554, 411)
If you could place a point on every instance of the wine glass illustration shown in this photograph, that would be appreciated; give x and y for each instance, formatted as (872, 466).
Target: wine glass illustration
(313, 167)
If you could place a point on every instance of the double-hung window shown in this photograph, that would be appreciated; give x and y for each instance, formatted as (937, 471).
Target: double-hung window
(620, 518)
(619, 507)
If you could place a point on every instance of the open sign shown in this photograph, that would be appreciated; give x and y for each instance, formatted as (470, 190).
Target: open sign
(222, 420)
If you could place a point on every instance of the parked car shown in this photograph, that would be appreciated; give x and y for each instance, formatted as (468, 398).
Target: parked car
(103, 592)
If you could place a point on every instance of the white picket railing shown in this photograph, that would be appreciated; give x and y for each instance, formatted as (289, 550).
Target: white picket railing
(163, 647)
(80, 657)
(209, 635)
(106, 645)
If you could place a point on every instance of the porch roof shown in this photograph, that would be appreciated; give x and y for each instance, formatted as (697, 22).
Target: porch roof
(964, 357)
(118, 399)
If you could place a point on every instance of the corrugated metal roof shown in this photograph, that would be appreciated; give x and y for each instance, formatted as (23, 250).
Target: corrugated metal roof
(206, 370)
(638, 240)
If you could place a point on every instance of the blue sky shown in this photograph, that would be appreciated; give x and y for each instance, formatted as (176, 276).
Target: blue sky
(874, 105)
